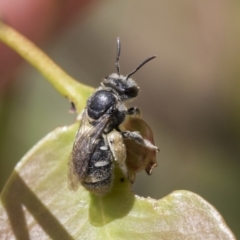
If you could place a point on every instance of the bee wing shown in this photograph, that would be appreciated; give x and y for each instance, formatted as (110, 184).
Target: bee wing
(83, 148)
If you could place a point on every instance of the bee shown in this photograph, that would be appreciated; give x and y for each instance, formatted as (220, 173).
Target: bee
(99, 140)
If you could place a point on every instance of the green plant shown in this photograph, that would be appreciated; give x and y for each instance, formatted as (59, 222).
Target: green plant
(37, 204)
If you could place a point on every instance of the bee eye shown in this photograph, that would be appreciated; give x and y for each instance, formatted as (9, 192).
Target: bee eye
(132, 91)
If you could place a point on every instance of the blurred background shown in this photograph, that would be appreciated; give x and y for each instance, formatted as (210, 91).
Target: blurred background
(190, 94)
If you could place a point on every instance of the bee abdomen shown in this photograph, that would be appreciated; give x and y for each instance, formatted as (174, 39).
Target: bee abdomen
(99, 174)
(100, 188)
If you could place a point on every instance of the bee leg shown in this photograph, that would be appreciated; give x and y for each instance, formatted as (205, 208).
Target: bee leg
(135, 111)
(136, 136)
(72, 108)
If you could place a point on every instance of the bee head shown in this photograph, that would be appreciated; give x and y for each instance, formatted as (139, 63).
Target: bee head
(125, 86)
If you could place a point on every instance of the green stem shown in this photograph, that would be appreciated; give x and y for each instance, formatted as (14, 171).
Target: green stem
(64, 84)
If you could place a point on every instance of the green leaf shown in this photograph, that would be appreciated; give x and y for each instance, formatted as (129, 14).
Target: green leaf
(37, 204)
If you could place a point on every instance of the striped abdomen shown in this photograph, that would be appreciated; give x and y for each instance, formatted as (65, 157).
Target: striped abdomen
(98, 177)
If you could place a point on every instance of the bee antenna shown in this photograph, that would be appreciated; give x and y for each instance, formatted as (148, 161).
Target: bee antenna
(144, 62)
(118, 55)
